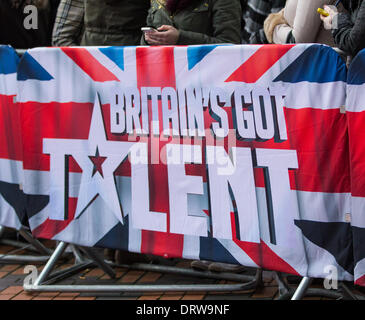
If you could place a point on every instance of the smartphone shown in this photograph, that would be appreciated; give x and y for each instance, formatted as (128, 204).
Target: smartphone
(148, 29)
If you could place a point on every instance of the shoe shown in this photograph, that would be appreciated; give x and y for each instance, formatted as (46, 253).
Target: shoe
(225, 267)
(201, 265)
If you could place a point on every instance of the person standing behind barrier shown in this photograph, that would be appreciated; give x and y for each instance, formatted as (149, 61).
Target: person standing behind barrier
(188, 22)
(348, 29)
(298, 22)
(100, 23)
(254, 14)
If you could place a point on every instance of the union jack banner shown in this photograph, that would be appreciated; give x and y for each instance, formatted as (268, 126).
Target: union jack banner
(237, 154)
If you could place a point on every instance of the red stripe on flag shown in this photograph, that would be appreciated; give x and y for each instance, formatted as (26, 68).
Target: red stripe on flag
(259, 63)
(50, 228)
(91, 66)
(156, 68)
(356, 122)
(360, 281)
(10, 135)
(321, 140)
(51, 120)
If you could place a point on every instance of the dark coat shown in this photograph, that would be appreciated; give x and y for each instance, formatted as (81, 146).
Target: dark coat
(350, 33)
(114, 22)
(201, 22)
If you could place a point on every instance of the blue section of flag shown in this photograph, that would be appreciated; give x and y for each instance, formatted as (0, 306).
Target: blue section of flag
(116, 238)
(29, 68)
(319, 64)
(356, 74)
(8, 60)
(116, 54)
(197, 54)
(211, 249)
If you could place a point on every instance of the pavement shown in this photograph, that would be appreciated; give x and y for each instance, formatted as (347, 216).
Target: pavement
(12, 278)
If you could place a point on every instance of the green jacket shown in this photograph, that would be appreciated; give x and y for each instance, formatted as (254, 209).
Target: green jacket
(114, 22)
(202, 22)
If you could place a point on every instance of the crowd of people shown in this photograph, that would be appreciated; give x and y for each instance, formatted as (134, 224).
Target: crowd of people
(183, 22)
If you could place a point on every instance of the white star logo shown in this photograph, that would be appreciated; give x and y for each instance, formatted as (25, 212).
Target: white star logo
(98, 159)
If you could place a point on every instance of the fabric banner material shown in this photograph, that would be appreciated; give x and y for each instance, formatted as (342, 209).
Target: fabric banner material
(236, 154)
(356, 117)
(12, 199)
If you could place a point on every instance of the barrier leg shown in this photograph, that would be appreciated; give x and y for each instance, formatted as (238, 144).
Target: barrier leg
(51, 263)
(46, 277)
(347, 292)
(282, 285)
(78, 255)
(34, 242)
(99, 261)
(302, 288)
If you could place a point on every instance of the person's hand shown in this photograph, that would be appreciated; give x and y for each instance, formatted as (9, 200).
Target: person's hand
(328, 22)
(271, 22)
(167, 35)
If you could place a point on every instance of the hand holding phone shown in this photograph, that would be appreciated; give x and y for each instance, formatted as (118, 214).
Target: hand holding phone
(148, 30)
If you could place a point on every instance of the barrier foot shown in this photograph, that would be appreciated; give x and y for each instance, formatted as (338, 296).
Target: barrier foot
(22, 259)
(146, 288)
(187, 272)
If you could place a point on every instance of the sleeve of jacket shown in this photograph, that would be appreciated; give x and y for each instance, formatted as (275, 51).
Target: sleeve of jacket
(226, 25)
(350, 37)
(148, 23)
(69, 23)
(306, 24)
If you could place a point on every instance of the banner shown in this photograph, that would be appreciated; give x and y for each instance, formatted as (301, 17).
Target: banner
(12, 199)
(356, 117)
(235, 154)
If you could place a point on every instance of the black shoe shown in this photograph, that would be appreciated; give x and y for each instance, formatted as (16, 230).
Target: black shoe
(201, 265)
(225, 267)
